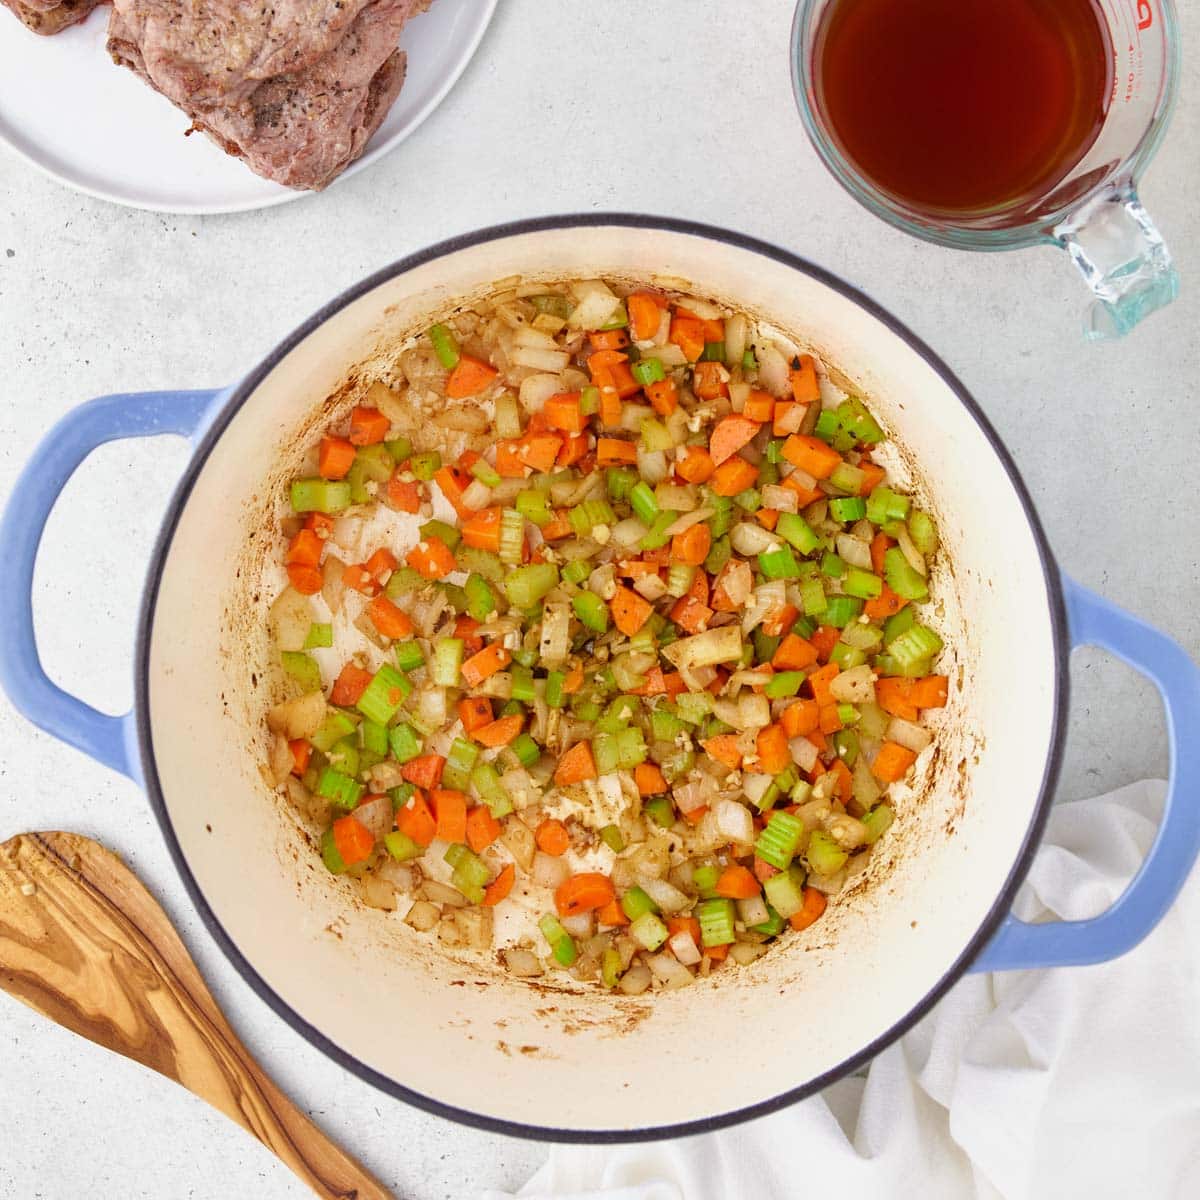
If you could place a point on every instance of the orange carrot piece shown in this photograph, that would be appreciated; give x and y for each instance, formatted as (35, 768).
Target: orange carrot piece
(305, 549)
(425, 771)
(432, 558)
(724, 748)
(825, 638)
(574, 680)
(450, 811)
(813, 906)
(501, 732)
(763, 870)
(873, 476)
(689, 925)
(737, 883)
(768, 518)
(779, 621)
(349, 686)
(645, 313)
(500, 887)
(845, 781)
(415, 818)
(800, 718)
(552, 838)
(539, 451)
(391, 620)
(649, 779)
(563, 411)
(804, 495)
(734, 475)
(574, 449)
(469, 378)
(692, 545)
(467, 628)
(474, 712)
(794, 654)
(663, 396)
(483, 529)
(774, 757)
(367, 425)
(759, 406)
(576, 765)
(487, 662)
(454, 484)
(583, 893)
(612, 915)
(811, 454)
(690, 615)
(729, 435)
(609, 339)
(880, 544)
(892, 762)
(629, 611)
(558, 528)
(895, 696)
(710, 380)
(803, 377)
(696, 465)
(831, 719)
(688, 334)
(886, 604)
(352, 839)
(404, 494)
(335, 457)
(820, 680)
(482, 828)
(932, 691)
(716, 953)
(301, 752)
(305, 579)
(615, 452)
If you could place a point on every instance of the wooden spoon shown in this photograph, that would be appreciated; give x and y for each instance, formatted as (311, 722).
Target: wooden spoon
(85, 944)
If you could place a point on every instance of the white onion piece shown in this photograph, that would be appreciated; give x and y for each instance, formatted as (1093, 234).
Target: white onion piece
(669, 971)
(290, 618)
(737, 581)
(540, 360)
(549, 871)
(756, 786)
(652, 587)
(528, 336)
(744, 953)
(734, 822)
(790, 421)
(753, 911)
(299, 718)
(537, 389)
(767, 598)
(755, 677)
(696, 793)
(443, 893)
(635, 980)
(913, 556)
(677, 497)
(517, 838)
(772, 369)
(687, 521)
(652, 466)
(556, 635)
(596, 304)
(333, 590)
(522, 963)
(467, 418)
(670, 355)
(666, 895)
(737, 330)
(739, 393)
(280, 761)
(704, 309)
(684, 948)
(377, 893)
(804, 753)
(521, 789)
(856, 553)
(581, 925)
(633, 415)
(432, 707)
(855, 686)
(909, 734)
(399, 875)
(423, 916)
(706, 649)
(627, 532)
(780, 498)
(750, 538)
(375, 815)
(477, 495)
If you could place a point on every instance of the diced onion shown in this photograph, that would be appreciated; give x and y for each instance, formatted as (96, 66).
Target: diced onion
(791, 420)
(635, 981)
(756, 786)
(772, 369)
(299, 718)
(581, 925)
(528, 336)
(737, 329)
(556, 635)
(856, 553)
(467, 418)
(804, 753)
(750, 538)
(909, 734)
(696, 793)
(706, 649)
(666, 895)
(597, 303)
(912, 555)
(669, 971)
(333, 589)
(688, 520)
(652, 466)
(780, 498)
(290, 618)
(375, 815)
(855, 686)
(676, 497)
(443, 893)
(537, 389)
(549, 871)
(627, 532)
(684, 948)
(753, 911)
(739, 393)
(522, 963)
(652, 587)
(734, 822)
(767, 598)
(737, 580)
(477, 494)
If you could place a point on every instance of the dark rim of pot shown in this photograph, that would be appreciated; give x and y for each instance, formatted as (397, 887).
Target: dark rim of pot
(1004, 899)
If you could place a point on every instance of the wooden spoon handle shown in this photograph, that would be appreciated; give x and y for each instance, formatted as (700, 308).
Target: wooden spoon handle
(84, 943)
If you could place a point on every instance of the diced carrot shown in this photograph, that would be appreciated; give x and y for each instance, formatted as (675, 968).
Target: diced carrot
(645, 313)
(500, 887)
(692, 545)
(784, 418)
(404, 494)
(454, 483)
(608, 339)
(759, 406)
(768, 518)
(612, 915)
(803, 377)
(824, 639)
(654, 685)
(729, 435)
(483, 529)
(320, 523)
(305, 549)
(508, 459)
(763, 870)
(892, 762)
(713, 328)
(794, 654)
(813, 906)
(391, 620)
(574, 450)
(552, 838)
(305, 579)
(576, 765)
(610, 400)
(895, 696)
(716, 953)
(605, 358)
(432, 558)
(737, 883)
(800, 718)
(886, 604)
(649, 779)
(880, 544)
(663, 396)
(539, 450)
(690, 615)
(583, 893)
(367, 425)
(629, 611)
(380, 565)
(710, 380)
(688, 925)
(695, 815)
(425, 771)
(474, 712)
(873, 476)
(615, 452)
(805, 495)
(352, 839)
(349, 686)
(811, 454)
(779, 621)
(724, 748)
(688, 334)
(415, 818)
(467, 628)
(820, 680)
(774, 757)
(482, 828)
(301, 750)
(574, 680)
(845, 780)
(469, 378)
(450, 810)
(558, 528)
(696, 465)
(830, 718)
(632, 568)
(487, 662)
(734, 475)
(932, 691)
(500, 732)
(335, 457)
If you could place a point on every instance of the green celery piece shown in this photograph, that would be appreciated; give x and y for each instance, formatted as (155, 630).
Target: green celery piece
(884, 505)
(319, 495)
(339, 789)
(591, 610)
(554, 689)
(845, 742)
(399, 448)
(718, 554)
(649, 370)
(525, 750)
(704, 878)
(525, 586)
(783, 683)
(644, 505)
(772, 926)
(403, 581)
(620, 482)
(917, 644)
(841, 610)
(901, 578)
(485, 780)
(693, 707)
(785, 892)
(635, 902)
(656, 536)
(832, 566)
(383, 695)
(401, 847)
(460, 762)
(374, 738)
(779, 563)
(319, 636)
(923, 531)
(847, 509)
(555, 306)
(792, 527)
(825, 856)
(665, 725)
(648, 931)
(330, 854)
(533, 506)
(405, 742)
(716, 917)
(878, 821)
(847, 656)
(610, 835)
(377, 462)
(610, 967)
(561, 945)
(447, 660)
(425, 465)
(864, 584)
(750, 500)
(661, 811)
(479, 562)
(444, 346)
(441, 531)
(848, 479)
(898, 623)
(576, 572)
(337, 725)
(409, 656)
(812, 597)
(481, 601)
(302, 668)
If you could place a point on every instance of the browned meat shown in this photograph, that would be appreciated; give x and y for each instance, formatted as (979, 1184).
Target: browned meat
(296, 90)
(50, 16)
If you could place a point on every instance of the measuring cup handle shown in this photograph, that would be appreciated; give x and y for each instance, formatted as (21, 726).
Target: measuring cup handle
(1122, 258)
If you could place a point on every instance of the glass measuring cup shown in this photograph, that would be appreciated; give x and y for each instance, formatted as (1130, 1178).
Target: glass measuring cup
(1093, 212)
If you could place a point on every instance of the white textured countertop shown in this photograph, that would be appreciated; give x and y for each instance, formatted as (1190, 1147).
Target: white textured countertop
(96, 299)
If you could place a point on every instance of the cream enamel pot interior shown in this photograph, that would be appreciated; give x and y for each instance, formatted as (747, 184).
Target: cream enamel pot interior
(458, 1037)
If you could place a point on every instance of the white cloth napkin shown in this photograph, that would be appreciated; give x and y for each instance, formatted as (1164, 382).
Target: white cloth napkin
(1074, 1082)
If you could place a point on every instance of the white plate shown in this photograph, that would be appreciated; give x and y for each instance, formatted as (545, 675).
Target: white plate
(68, 109)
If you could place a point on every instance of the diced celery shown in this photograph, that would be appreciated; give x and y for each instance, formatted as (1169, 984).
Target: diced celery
(405, 742)
(923, 531)
(648, 931)
(661, 811)
(812, 597)
(713, 352)
(525, 750)
(649, 370)
(424, 466)
(832, 567)
(785, 892)
(486, 781)
(885, 505)
(611, 969)
(656, 536)
(778, 842)
(302, 668)
(783, 683)
(320, 495)
(901, 577)
(447, 660)
(665, 725)
(339, 789)
(718, 554)
(878, 821)
(400, 448)
(319, 636)
(330, 854)
(643, 502)
(401, 847)
(849, 508)
(525, 586)
(444, 346)
(374, 738)
(704, 878)
(847, 478)
(847, 656)
(656, 436)
(792, 527)
(750, 500)
(841, 610)
(469, 873)
(915, 645)
(481, 601)
(693, 707)
(460, 762)
(772, 926)
(825, 856)
(864, 584)
(383, 695)
(522, 684)
(898, 623)
(403, 581)
(779, 563)
(716, 917)
(620, 481)
(561, 945)
(337, 725)
(610, 835)
(635, 902)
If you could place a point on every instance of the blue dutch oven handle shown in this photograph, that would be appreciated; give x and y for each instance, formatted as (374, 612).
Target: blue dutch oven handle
(108, 739)
(1094, 621)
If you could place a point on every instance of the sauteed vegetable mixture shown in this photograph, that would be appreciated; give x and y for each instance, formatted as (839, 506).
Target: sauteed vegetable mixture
(605, 635)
